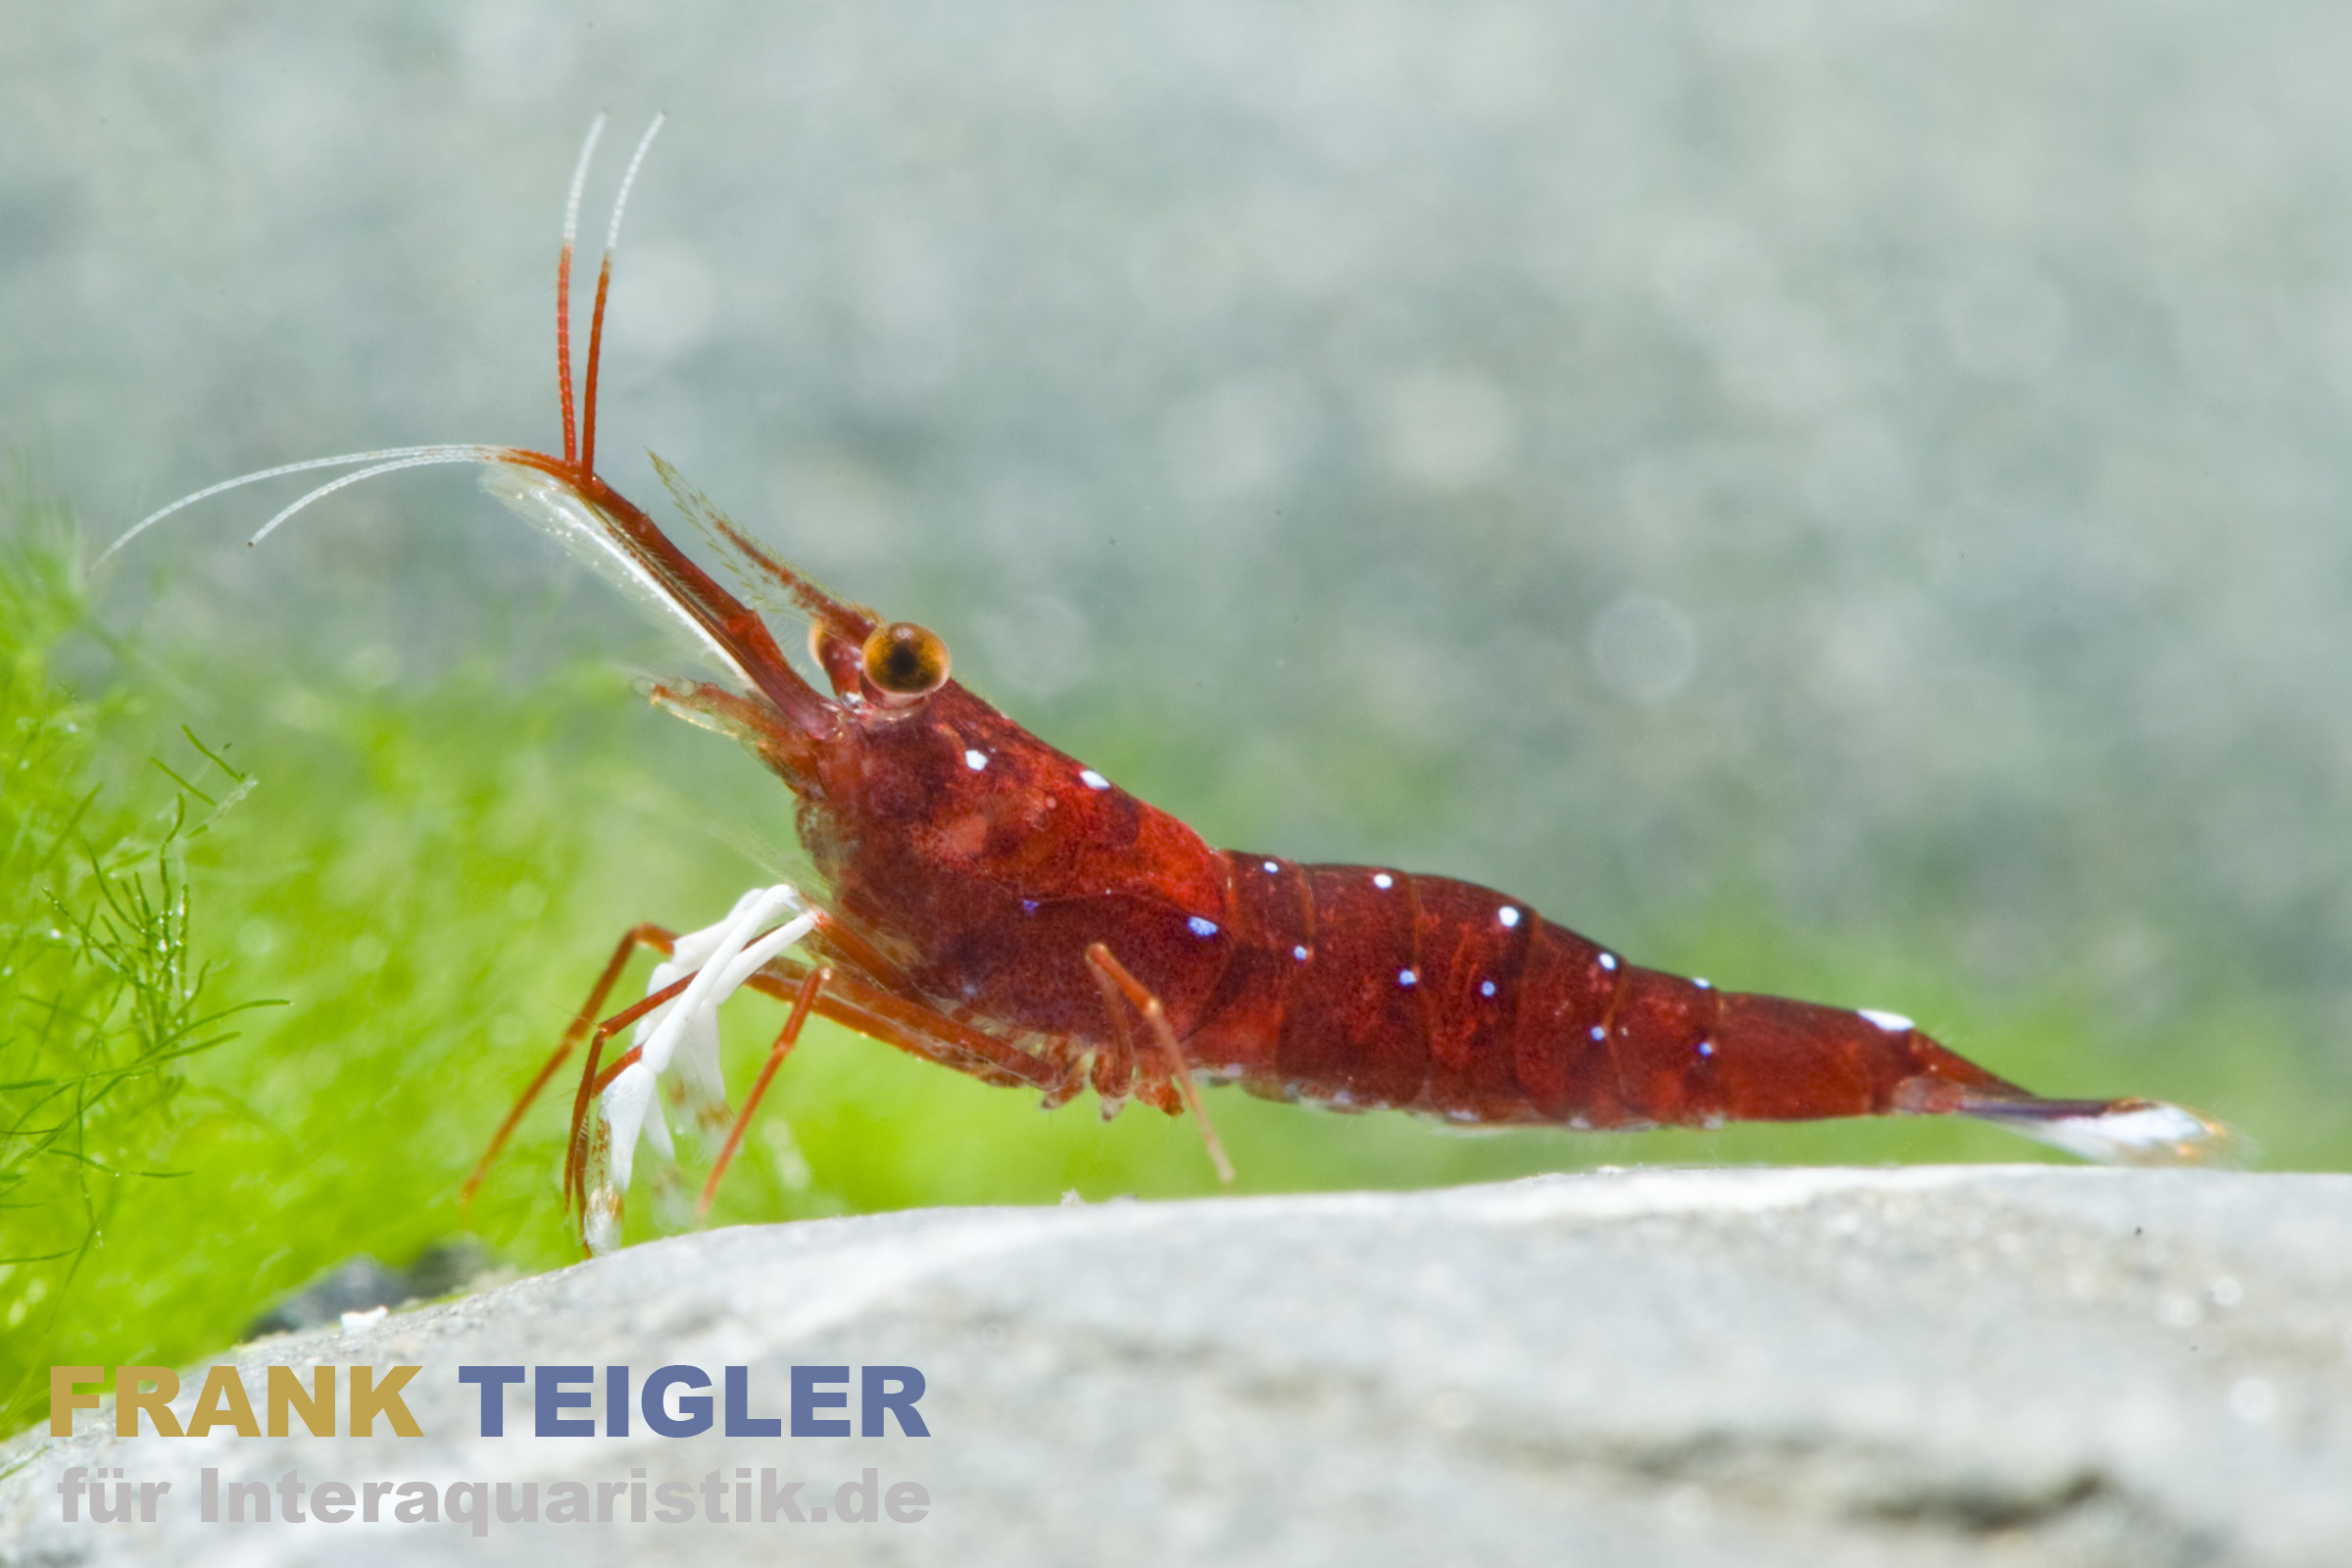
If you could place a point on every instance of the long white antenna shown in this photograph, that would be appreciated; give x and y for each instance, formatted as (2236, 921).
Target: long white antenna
(447, 452)
(423, 459)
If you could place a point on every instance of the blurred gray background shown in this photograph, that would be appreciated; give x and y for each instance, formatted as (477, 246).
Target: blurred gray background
(1875, 471)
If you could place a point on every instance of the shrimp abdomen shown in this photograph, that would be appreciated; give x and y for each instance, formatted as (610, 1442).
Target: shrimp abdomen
(1361, 987)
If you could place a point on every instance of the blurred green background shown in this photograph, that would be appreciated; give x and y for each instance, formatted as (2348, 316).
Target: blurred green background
(1847, 501)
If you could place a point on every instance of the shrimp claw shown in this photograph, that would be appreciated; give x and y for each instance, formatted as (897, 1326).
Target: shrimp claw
(702, 970)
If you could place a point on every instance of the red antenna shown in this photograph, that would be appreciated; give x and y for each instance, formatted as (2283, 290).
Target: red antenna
(572, 231)
(580, 441)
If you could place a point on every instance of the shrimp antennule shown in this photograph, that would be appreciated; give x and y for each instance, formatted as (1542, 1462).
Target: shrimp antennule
(571, 232)
(603, 287)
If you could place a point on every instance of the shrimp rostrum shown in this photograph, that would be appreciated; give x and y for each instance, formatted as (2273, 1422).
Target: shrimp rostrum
(987, 902)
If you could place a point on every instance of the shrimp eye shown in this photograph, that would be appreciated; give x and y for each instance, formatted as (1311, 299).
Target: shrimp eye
(906, 660)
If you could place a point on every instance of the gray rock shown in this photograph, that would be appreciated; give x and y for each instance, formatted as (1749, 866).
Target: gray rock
(1817, 1367)
(362, 1283)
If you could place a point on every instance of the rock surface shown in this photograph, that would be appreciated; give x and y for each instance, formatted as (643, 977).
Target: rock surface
(1818, 1368)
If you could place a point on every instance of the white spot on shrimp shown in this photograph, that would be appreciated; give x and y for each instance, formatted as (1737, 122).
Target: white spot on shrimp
(1092, 779)
(1701, 984)
(1273, 868)
(1608, 960)
(1486, 988)
(1508, 915)
(1299, 953)
(1382, 880)
(1706, 1047)
(1406, 977)
(1598, 1033)
(1028, 905)
(1201, 927)
(1894, 1023)
(976, 759)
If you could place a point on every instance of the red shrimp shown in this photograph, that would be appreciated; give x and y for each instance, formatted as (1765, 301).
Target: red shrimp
(997, 906)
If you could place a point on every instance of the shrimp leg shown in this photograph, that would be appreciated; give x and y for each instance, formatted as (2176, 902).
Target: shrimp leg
(785, 1041)
(1118, 986)
(677, 1021)
(657, 938)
